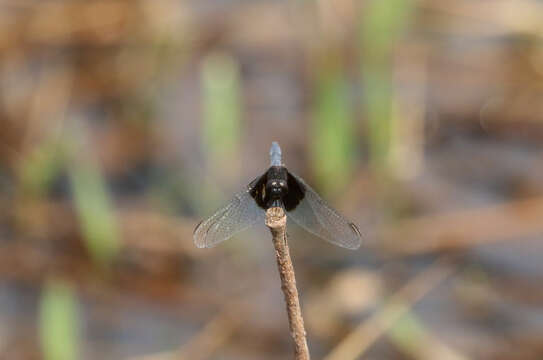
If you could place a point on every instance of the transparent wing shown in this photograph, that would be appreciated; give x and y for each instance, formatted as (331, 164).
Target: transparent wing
(240, 213)
(317, 217)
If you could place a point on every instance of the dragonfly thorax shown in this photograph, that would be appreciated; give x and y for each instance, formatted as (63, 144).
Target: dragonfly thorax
(276, 186)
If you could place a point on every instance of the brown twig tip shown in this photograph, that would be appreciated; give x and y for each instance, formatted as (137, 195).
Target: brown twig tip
(276, 220)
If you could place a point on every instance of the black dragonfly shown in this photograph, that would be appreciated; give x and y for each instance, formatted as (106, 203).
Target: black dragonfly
(277, 187)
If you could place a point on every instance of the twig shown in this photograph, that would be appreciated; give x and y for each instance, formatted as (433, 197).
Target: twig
(276, 220)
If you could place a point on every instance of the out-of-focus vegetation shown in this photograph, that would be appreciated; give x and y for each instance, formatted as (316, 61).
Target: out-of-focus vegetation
(122, 122)
(92, 204)
(59, 329)
(221, 121)
(333, 131)
(382, 25)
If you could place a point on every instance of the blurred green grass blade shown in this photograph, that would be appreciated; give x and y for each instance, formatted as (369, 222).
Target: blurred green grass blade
(378, 107)
(407, 333)
(41, 168)
(94, 208)
(59, 322)
(333, 132)
(410, 335)
(221, 112)
(381, 25)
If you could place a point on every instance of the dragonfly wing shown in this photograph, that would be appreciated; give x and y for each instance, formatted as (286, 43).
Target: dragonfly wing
(316, 216)
(239, 214)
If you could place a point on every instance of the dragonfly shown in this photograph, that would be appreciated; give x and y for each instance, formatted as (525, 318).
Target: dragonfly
(277, 187)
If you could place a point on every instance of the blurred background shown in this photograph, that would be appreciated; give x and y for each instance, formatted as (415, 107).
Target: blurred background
(123, 123)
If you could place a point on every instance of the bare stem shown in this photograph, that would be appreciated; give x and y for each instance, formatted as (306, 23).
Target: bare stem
(276, 220)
